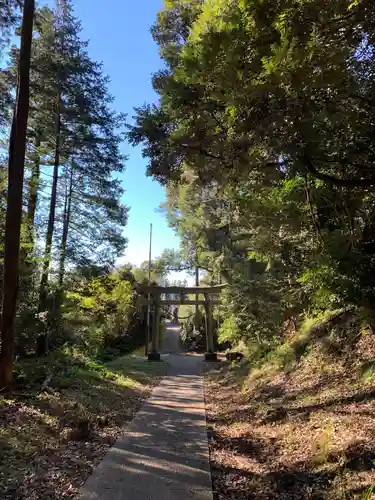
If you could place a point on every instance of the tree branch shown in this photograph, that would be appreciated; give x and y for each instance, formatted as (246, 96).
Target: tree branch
(368, 182)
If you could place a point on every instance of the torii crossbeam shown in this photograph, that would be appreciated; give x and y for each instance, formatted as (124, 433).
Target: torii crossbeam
(156, 293)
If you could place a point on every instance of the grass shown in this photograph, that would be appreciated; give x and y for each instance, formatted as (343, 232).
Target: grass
(44, 454)
(139, 352)
(295, 420)
(369, 494)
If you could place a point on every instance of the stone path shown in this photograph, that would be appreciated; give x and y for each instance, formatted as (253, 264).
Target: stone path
(163, 454)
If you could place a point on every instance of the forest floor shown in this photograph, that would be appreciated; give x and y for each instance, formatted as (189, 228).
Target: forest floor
(296, 424)
(61, 419)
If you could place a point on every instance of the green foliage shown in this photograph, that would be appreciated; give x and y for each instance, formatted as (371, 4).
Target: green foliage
(74, 207)
(262, 137)
(108, 305)
(141, 273)
(229, 330)
(185, 312)
(369, 493)
(191, 337)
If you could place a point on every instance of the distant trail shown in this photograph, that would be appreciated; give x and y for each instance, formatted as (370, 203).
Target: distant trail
(171, 341)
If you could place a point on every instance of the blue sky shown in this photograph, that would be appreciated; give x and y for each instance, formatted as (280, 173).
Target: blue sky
(119, 35)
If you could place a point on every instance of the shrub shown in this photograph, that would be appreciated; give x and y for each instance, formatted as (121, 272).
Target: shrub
(192, 338)
(109, 323)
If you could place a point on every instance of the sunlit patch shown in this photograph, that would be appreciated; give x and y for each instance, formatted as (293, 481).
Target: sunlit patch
(283, 431)
(37, 451)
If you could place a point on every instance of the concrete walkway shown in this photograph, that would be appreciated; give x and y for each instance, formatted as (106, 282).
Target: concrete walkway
(171, 342)
(163, 454)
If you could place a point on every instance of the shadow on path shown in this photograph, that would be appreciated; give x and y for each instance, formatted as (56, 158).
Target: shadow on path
(163, 453)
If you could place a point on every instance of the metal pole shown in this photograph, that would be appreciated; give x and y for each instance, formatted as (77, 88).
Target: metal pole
(149, 295)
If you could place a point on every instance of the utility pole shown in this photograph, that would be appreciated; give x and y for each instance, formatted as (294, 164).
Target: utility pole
(149, 295)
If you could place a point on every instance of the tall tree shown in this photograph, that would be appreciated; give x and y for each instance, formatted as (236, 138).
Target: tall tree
(263, 136)
(8, 17)
(67, 213)
(17, 148)
(71, 196)
(63, 26)
(89, 138)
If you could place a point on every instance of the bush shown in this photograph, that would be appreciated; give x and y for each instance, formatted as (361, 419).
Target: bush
(192, 334)
(109, 322)
(192, 339)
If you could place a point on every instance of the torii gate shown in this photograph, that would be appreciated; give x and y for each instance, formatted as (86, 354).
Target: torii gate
(156, 300)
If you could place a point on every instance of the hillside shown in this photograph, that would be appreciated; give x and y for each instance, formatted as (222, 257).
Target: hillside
(297, 422)
(53, 434)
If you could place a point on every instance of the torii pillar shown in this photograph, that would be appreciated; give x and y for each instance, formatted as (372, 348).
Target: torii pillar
(210, 355)
(154, 355)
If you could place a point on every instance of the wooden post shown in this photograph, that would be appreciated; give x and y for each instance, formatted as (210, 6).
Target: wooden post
(157, 316)
(154, 355)
(149, 296)
(210, 354)
(196, 310)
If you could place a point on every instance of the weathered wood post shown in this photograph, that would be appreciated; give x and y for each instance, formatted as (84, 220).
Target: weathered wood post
(154, 355)
(158, 336)
(210, 355)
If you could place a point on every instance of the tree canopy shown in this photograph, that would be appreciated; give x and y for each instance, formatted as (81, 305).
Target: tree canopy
(262, 136)
(68, 197)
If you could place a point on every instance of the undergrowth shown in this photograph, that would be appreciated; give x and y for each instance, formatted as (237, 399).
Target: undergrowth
(296, 416)
(66, 407)
(334, 333)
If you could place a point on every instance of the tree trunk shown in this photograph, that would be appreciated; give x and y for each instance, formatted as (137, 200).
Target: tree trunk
(52, 212)
(196, 316)
(42, 340)
(16, 167)
(31, 210)
(3, 201)
(34, 185)
(64, 239)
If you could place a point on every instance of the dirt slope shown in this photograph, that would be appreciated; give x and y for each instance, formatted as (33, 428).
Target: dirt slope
(299, 422)
(44, 453)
